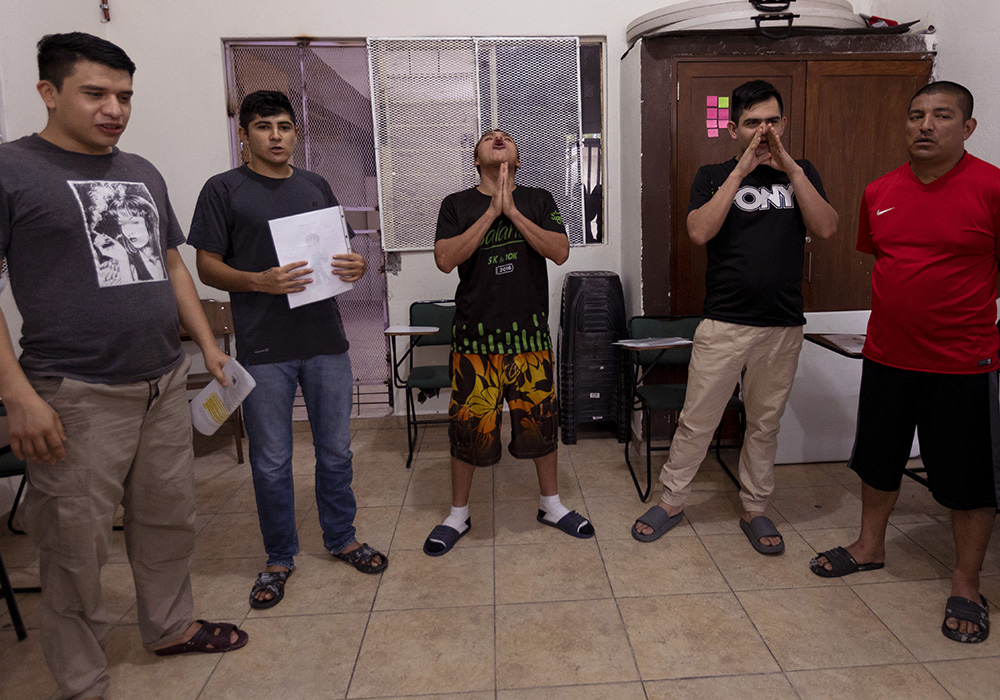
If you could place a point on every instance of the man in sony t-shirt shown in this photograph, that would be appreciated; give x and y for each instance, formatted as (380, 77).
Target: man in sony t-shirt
(930, 356)
(98, 402)
(753, 212)
(500, 236)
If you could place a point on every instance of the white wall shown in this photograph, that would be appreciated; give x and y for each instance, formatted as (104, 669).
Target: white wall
(965, 32)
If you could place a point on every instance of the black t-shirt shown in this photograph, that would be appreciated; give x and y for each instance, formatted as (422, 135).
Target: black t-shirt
(231, 220)
(754, 274)
(502, 301)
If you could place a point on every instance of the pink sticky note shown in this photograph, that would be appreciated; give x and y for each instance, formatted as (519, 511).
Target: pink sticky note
(712, 113)
(710, 123)
(712, 133)
(712, 101)
(723, 124)
(724, 114)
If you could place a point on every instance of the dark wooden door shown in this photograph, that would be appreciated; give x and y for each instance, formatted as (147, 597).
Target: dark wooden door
(855, 115)
(702, 82)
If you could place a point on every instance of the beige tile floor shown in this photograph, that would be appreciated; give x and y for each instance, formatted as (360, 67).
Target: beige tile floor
(518, 611)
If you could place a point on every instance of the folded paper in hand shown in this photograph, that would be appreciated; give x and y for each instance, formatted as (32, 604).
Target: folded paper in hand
(215, 403)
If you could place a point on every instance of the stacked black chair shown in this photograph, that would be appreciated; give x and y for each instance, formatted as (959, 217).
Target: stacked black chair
(591, 373)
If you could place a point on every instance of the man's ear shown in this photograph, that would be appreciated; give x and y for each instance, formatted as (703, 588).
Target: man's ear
(48, 91)
(732, 129)
(970, 126)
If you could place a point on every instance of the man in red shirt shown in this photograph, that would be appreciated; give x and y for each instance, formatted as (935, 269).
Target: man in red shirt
(931, 360)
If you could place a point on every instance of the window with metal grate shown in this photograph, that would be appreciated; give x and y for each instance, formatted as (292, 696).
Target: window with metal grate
(434, 97)
(328, 84)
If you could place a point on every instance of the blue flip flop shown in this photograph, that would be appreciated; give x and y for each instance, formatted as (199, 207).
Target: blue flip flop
(658, 519)
(572, 524)
(762, 526)
(443, 538)
(969, 610)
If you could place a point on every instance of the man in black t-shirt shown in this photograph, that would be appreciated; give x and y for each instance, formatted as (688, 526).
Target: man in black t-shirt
(753, 212)
(283, 347)
(500, 236)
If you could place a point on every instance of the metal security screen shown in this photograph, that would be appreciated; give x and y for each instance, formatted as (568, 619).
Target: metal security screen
(424, 102)
(432, 98)
(327, 83)
(530, 88)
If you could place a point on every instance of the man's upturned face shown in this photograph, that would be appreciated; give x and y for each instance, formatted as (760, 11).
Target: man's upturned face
(89, 114)
(496, 147)
(751, 119)
(271, 140)
(935, 129)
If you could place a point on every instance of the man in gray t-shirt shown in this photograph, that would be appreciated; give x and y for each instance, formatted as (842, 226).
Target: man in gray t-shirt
(98, 404)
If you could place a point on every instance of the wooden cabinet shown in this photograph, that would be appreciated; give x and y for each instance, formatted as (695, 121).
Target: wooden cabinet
(845, 99)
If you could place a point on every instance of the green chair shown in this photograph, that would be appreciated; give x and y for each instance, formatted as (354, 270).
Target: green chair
(648, 397)
(11, 466)
(422, 380)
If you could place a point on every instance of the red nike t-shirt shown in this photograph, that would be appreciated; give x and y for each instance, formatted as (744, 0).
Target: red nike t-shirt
(934, 286)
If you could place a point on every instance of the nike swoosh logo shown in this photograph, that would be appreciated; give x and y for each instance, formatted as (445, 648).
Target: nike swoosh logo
(880, 212)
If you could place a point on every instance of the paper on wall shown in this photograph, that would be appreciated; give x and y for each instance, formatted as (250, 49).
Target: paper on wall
(315, 237)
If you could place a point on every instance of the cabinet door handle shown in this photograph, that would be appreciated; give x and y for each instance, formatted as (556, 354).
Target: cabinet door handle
(809, 268)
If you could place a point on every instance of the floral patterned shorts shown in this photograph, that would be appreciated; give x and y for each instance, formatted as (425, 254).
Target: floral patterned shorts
(479, 386)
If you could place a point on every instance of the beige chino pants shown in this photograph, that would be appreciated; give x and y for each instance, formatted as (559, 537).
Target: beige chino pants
(721, 350)
(127, 444)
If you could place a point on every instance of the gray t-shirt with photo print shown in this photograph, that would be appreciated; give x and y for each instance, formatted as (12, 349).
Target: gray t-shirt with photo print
(86, 240)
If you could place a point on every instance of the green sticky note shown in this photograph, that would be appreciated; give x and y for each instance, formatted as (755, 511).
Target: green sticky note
(723, 102)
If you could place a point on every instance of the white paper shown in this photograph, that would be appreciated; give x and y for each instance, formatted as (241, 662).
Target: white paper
(653, 343)
(215, 403)
(314, 236)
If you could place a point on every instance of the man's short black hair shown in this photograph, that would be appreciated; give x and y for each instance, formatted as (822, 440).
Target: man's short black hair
(58, 55)
(752, 93)
(965, 101)
(264, 103)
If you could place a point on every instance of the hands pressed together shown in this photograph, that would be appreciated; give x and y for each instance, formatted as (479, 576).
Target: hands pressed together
(775, 156)
(503, 198)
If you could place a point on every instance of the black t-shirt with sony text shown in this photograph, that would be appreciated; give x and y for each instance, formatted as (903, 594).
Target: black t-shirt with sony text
(502, 300)
(231, 219)
(754, 274)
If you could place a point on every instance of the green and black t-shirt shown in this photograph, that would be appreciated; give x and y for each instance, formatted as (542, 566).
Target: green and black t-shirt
(502, 301)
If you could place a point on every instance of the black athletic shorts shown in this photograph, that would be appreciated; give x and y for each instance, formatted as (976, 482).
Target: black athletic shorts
(957, 421)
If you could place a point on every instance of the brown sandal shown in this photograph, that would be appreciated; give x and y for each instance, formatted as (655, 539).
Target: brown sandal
(214, 642)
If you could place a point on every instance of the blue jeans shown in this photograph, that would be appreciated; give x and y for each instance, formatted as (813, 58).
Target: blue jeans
(326, 382)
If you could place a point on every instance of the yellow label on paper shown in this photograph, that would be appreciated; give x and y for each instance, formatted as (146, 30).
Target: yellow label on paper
(213, 404)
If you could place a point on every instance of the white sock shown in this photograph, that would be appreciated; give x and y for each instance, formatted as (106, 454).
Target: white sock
(456, 520)
(553, 507)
